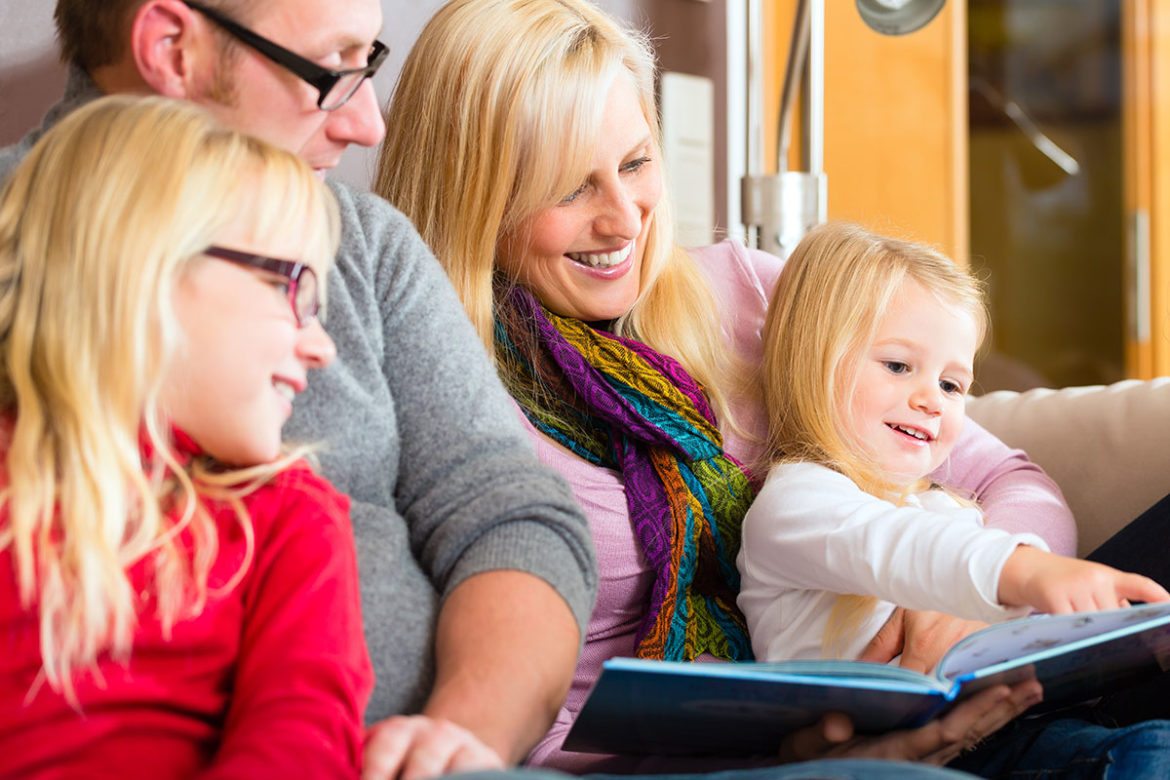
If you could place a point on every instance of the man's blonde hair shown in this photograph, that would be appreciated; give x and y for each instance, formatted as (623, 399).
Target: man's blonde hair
(495, 117)
(825, 311)
(97, 226)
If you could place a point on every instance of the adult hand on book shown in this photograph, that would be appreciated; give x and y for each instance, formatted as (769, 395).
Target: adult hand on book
(938, 742)
(921, 637)
(418, 747)
(1056, 584)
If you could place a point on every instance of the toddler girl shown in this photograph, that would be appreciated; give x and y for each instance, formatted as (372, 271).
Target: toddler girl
(869, 346)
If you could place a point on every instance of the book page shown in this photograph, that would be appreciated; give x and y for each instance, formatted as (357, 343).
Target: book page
(841, 669)
(1042, 636)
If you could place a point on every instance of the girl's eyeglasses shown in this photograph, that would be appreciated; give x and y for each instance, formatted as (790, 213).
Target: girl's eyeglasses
(302, 281)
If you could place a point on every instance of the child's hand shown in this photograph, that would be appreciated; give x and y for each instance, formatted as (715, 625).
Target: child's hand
(1056, 584)
(418, 747)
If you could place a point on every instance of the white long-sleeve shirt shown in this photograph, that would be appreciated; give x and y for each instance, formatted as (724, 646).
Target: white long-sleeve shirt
(813, 534)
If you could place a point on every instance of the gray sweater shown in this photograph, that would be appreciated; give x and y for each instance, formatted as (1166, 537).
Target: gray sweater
(421, 435)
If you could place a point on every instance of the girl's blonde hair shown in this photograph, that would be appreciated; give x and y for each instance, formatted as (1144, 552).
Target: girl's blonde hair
(97, 226)
(495, 117)
(825, 312)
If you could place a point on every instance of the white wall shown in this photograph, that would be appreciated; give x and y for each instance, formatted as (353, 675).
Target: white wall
(31, 78)
(402, 22)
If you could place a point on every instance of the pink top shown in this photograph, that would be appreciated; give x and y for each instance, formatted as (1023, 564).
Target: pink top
(1015, 494)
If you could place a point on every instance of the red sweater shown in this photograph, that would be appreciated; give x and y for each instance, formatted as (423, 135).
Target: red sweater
(270, 680)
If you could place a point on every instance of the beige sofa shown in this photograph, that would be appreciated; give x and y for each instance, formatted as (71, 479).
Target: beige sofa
(1108, 447)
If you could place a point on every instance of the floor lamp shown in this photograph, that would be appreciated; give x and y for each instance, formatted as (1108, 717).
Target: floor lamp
(778, 209)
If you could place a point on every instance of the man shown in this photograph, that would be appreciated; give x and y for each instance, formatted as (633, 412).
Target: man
(477, 571)
(476, 565)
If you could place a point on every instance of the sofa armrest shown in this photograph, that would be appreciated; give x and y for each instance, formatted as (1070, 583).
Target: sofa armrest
(1107, 446)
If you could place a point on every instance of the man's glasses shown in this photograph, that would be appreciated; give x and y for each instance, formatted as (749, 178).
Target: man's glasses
(302, 281)
(334, 87)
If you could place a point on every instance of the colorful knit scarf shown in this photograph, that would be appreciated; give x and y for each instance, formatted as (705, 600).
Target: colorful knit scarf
(619, 404)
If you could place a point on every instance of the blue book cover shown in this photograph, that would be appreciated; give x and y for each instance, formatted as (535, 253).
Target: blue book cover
(665, 708)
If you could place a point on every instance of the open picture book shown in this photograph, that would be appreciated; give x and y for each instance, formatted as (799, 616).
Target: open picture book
(668, 708)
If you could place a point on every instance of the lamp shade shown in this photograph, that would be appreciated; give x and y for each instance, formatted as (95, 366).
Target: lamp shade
(898, 17)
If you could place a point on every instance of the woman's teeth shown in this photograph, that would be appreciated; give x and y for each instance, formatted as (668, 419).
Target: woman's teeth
(601, 259)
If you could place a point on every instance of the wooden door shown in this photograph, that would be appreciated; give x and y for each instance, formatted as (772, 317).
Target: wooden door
(1146, 118)
(895, 121)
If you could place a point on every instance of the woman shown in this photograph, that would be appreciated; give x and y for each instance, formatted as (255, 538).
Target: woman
(523, 143)
(178, 592)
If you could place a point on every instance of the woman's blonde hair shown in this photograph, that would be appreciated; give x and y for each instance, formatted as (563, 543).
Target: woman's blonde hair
(825, 312)
(495, 117)
(97, 226)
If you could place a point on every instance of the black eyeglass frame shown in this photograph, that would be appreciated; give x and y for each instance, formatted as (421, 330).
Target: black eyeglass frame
(290, 269)
(320, 78)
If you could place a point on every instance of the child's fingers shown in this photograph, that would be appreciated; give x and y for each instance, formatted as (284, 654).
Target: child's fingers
(387, 744)
(1135, 587)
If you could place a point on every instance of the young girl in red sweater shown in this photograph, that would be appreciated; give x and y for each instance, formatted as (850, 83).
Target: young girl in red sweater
(178, 592)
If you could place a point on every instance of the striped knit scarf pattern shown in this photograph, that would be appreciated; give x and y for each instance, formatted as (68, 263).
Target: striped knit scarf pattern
(619, 404)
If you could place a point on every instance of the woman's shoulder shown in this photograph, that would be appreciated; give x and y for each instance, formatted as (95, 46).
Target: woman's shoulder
(742, 280)
(732, 265)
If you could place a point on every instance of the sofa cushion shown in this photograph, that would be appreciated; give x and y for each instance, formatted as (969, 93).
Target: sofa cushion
(1107, 446)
